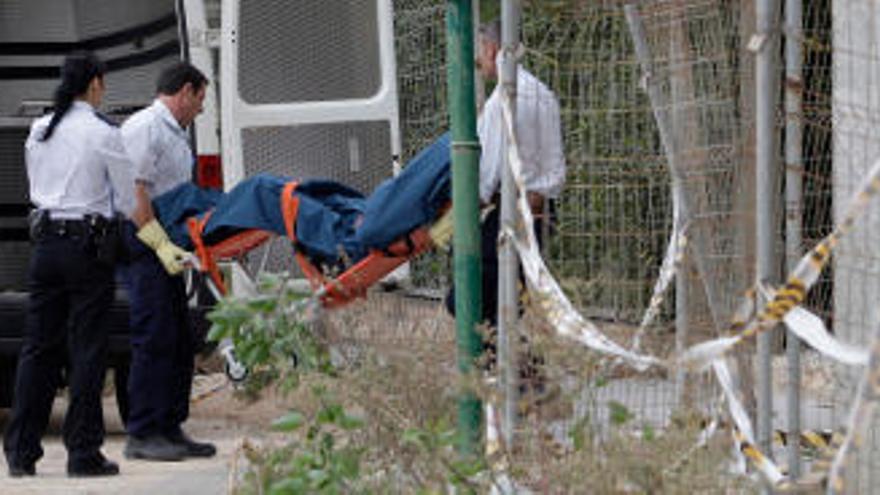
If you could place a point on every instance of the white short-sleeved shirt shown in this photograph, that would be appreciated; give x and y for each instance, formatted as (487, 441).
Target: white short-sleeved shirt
(159, 149)
(538, 130)
(81, 169)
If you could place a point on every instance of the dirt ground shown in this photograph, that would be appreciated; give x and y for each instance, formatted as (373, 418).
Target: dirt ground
(217, 417)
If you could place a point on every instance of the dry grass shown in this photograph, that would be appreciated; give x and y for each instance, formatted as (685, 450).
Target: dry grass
(397, 358)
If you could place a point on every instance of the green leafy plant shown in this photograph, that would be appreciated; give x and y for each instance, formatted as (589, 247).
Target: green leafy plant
(318, 460)
(324, 449)
(438, 440)
(620, 414)
(273, 338)
(271, 334)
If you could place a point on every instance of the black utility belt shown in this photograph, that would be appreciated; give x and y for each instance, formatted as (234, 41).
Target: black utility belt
(43, 226)
(101, 236)
(88, 226)
(66, 228)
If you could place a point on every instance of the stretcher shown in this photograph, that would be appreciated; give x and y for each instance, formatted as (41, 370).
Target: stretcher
(343, 241)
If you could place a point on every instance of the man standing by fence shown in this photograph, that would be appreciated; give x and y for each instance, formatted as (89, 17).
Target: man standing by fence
(539, 134)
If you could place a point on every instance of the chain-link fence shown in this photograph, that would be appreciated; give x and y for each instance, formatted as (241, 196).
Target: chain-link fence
(615, 217)
(616, 212)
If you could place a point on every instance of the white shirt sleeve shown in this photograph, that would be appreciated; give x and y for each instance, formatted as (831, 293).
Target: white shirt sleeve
(139, 142)
(120, 172)
(493, 142)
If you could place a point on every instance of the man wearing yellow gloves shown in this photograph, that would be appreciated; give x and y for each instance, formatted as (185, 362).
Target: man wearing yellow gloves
(162, 343)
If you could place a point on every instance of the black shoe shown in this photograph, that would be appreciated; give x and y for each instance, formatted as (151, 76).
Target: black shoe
(20, 470)
(193, 448)
(153, 448)
(95, 465)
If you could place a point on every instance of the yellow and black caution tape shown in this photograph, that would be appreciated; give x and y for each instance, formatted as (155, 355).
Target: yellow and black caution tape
(861, 416)
(818, 440)
(757, 458)
(829, 469)
(818, 475)
(569, 323)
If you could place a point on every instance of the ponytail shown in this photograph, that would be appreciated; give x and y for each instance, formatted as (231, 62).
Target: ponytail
(77, 72)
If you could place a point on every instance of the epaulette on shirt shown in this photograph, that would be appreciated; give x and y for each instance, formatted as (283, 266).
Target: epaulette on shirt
(107, 120)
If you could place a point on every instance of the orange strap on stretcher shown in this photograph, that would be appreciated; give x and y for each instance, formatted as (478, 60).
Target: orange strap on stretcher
(355, 281)
(196, 226)
(231, 247)
(290, 210)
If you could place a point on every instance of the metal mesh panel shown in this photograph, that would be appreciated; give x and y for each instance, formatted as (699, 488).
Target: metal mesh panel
(615, 211)
(357, 154)
(14, 259)
(420, 41)
(135, 86)
(14, 255)
(696, 68)
(13, 175)
(276, 256)
(336, 53)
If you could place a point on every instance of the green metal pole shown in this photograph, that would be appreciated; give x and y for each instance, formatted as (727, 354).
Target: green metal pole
(465, 201)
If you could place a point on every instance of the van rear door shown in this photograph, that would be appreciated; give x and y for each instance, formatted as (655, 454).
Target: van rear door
(308, 89)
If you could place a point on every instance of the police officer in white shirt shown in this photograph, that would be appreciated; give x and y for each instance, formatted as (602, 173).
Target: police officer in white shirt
(539, 133)
(79, 178)
(162, 341)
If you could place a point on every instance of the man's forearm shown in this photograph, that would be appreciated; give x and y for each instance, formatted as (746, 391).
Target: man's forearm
(143, 208)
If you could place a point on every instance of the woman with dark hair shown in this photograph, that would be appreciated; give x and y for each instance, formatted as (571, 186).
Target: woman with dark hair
(80, 178)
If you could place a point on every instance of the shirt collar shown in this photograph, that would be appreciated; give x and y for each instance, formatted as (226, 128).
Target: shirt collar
(82, 105)
(167, 116)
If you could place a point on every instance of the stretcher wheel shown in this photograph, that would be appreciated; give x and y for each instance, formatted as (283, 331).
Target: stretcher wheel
(236, 373)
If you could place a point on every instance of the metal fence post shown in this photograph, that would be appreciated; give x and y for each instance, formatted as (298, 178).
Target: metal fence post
(794, 168)
(508, 267)
(766, 182)
(465, 200)
(479, 84)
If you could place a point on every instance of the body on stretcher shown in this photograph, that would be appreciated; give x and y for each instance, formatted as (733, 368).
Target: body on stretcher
(332, 228)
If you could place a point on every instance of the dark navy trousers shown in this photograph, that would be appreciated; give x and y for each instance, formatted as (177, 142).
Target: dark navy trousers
(162, 345)
(70, 294)
(489, 230)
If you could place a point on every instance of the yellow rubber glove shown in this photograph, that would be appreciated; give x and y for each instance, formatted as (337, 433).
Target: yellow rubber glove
(152, 234)
(442, 230)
